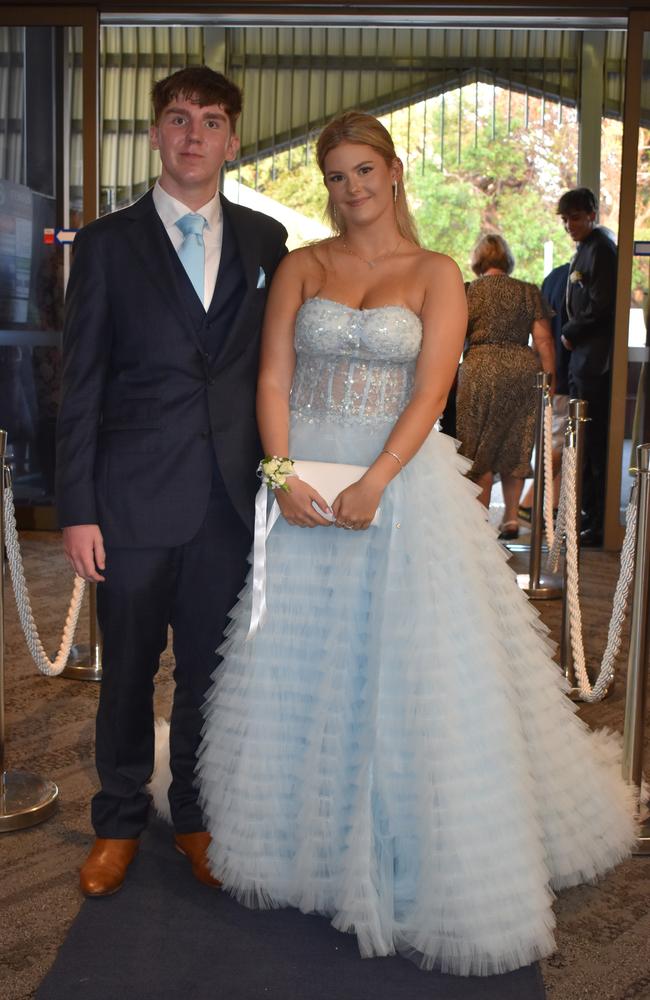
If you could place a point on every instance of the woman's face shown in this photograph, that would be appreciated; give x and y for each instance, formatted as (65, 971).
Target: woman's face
(360, 182)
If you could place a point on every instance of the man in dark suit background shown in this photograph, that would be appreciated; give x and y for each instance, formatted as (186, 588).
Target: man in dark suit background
(158, 448)
(589, 335)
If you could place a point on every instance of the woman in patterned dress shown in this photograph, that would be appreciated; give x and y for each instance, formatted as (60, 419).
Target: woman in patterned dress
(496, 385)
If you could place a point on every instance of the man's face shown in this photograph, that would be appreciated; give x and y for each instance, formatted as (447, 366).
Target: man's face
(578, 224)
(194, 143)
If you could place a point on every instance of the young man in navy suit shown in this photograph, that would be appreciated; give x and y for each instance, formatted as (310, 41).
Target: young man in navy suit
(158, 447)
(589, 335)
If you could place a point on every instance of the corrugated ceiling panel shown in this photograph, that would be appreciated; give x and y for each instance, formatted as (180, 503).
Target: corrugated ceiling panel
(295, 79)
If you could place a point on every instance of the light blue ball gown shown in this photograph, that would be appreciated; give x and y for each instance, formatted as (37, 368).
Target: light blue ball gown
(394, 748)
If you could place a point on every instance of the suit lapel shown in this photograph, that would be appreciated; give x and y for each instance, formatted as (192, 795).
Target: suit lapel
(241, 226)
(229, 251)
(160, 262)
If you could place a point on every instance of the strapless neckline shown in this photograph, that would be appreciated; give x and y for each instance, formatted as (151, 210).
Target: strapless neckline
(367, 309)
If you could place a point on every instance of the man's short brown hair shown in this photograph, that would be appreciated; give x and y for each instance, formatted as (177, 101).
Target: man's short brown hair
(577, 200)
(201, 85)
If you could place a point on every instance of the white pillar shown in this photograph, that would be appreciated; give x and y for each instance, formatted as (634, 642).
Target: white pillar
(548, 257)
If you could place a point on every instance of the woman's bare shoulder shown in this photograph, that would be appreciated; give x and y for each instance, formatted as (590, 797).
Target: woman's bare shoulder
(303, 261)
(437, 272)
(437, 265)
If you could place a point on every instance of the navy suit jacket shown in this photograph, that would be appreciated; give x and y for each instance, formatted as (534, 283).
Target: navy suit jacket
(155, 389)
(592, 301)
(554, 291)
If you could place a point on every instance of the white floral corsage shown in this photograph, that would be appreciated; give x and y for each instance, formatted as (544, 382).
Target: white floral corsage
(274, 472)
(576, 277)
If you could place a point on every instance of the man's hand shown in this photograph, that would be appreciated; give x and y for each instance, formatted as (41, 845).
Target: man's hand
(84, 549)
(567, 343)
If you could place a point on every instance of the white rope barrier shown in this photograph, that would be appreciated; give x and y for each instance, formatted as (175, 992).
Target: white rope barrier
(567, 524)
(51, 668)
(548, 471)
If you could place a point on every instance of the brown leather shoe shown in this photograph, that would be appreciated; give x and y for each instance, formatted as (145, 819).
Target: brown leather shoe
(105, 867)
(195, 847)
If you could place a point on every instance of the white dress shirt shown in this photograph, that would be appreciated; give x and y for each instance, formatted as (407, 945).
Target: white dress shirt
(171, 210)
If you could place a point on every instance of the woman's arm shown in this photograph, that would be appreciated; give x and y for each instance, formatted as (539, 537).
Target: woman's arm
(278, 357)
(444, 321)
(545, 346)
(277, 365)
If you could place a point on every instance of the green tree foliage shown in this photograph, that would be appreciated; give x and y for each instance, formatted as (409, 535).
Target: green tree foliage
(448, 216)
(480, 160)
(494, 172)
(292, 178)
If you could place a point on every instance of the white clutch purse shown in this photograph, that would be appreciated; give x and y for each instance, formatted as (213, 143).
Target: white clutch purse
(330, 479)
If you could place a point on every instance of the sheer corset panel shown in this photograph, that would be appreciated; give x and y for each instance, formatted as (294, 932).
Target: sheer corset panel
(353, 365)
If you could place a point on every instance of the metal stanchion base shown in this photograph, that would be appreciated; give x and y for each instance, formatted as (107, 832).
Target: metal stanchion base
(80, 665)
(574, 693)
(549, 586)
(642, 848)
(516, 547)
(25, 800)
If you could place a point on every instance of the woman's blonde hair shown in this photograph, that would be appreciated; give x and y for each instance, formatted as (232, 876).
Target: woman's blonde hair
(492, 251)
(364, 130)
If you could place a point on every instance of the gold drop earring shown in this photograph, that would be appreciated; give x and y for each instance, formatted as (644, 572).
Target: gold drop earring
(394, 192)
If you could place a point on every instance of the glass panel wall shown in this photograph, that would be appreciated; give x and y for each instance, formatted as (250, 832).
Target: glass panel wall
(40, 207)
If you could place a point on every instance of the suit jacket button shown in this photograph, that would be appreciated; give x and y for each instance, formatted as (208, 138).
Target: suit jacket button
(211, 380)
(205, 434)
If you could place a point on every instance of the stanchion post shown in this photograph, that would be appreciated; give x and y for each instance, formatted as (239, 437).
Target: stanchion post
(25, 799)
(637, 668)
(574, 438)
(85, 661)
(538, 586)
(542, 384)
(3, 735)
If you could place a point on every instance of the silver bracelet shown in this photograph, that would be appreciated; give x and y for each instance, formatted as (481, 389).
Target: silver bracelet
(392, 454)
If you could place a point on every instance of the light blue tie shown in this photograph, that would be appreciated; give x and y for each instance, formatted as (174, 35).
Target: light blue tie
(192, 250)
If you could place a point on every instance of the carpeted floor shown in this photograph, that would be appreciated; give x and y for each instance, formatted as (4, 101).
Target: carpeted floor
(176, 938)
(603, 931)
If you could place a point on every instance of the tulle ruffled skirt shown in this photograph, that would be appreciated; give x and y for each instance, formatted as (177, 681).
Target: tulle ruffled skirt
(394, 748)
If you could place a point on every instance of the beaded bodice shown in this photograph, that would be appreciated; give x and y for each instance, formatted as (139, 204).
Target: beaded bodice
(353, 365)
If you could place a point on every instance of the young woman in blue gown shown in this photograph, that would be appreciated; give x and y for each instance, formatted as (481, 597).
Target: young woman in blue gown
(393, 748)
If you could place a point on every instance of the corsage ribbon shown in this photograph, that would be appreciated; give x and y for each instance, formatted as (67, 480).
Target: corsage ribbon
(263, 526)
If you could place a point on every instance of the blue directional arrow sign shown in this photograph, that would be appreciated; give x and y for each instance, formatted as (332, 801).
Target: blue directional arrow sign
(65, 235)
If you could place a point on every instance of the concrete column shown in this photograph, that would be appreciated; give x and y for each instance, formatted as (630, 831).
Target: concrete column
(590, 109)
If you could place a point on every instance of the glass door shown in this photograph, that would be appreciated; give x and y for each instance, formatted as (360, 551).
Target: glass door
(637, 382)
(46, 194)
(630, 399)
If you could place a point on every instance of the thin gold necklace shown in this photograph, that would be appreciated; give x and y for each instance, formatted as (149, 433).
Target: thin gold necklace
(374, 260)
